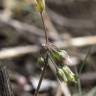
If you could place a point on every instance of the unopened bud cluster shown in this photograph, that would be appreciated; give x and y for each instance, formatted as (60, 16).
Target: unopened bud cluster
(64, 73)
(58, 56)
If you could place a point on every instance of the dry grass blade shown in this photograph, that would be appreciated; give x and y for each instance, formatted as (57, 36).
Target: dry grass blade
(17, 51)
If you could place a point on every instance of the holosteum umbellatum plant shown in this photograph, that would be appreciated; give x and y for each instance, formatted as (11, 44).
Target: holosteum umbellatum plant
(51, 52)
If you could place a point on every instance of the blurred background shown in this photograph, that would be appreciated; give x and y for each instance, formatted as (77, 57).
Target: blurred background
(71, 25)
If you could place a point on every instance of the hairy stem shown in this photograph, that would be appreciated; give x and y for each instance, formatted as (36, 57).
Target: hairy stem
(45, 60)
(44, 27)
(42, 75)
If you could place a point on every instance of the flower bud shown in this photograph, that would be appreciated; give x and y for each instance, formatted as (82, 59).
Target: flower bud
(56, 56)
(40, 5)
(69, 74)
(61, 75)
(65, 56)
(63, 53)
(41, 60)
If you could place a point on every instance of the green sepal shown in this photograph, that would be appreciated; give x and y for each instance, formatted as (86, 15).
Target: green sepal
(56, 57)
(63, 54)
(61, 75)
(40, 60)
(69, 74)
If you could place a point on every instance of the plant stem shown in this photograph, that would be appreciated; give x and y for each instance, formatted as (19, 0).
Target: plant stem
(45, 60)
(42, 75)
(46, 35)
(78, 82)
(88, 53)
(78, 73)
(56, 67)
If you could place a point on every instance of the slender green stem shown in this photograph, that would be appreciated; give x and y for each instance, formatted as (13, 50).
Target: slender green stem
(78, 73)
(88, 52)
(53, 62)
(46, 35)
(42, 75)
(78, 82)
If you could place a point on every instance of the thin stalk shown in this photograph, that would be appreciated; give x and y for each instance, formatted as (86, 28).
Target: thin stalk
(44, 27)
(78, 82)
(88, 52)
(46, 59)
(53, 62)
(78, 73)
(42, 75)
